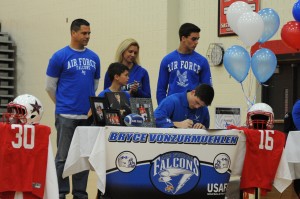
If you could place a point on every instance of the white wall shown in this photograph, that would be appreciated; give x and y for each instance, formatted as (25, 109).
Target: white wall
(39, 28)
(227, 91)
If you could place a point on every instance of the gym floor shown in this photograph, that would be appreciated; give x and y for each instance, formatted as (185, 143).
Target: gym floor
(289, 193)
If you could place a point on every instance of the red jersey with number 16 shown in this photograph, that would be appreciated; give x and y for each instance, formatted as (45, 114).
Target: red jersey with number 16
(23, 158)
(263, 153)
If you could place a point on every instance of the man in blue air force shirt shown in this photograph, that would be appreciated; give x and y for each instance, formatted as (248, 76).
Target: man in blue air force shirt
(72, 76)
(184, 68)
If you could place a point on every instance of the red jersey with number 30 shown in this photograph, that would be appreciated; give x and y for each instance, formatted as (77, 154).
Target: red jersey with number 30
(263, 153)
(23, 158)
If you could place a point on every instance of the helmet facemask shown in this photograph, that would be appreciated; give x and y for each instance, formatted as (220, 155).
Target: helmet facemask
(260, 122)
(16, 114)
(25, 109)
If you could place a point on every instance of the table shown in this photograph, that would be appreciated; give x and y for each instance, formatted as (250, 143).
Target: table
(91, 145)
(292, 153)
(81, 149)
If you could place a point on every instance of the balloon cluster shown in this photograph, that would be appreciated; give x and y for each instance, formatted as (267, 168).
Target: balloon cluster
(290, 32)
(252, 27)
(237, 62)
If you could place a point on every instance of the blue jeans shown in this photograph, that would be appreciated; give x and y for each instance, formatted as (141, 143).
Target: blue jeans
(65, 130)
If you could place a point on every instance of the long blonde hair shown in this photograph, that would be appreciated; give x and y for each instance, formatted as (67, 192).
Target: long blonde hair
(124, 46)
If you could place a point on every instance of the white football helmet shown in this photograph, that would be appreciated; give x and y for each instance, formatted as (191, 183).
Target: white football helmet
(24, 109)
(260, 116)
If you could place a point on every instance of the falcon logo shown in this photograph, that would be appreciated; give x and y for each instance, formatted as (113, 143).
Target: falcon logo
(222, 163)
(175, 173)
(197, 117)
(182, 79)
(126, 161)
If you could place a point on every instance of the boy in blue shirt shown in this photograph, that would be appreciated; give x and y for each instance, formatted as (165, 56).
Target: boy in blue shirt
(186, 110)
(118, 74)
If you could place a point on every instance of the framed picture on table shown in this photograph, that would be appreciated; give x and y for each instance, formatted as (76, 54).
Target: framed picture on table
(143, 107)
(98, 105)
(112, 117)
(118, 101)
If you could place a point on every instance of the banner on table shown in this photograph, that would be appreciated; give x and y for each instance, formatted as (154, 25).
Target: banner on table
(168, 163)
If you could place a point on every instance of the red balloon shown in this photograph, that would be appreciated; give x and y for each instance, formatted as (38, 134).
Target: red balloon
(290, 34)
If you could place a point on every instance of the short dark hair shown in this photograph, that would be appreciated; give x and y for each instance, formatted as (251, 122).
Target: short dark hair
(75, 25)
(205, 93)
(116, 69)
(187, 28)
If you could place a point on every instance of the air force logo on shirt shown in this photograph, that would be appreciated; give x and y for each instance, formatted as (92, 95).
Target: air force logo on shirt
(197, 117)
(175, 173)
(83, 64)
(182, 79)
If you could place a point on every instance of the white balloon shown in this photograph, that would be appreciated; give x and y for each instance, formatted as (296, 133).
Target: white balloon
(250, 28)
(235, 10)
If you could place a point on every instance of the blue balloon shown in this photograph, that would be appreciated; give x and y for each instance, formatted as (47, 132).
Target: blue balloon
(271, 23)
(263, 64)
(237, 62)
(296, 11)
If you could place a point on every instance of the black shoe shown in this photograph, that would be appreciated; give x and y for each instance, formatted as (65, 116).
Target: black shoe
(62, 197)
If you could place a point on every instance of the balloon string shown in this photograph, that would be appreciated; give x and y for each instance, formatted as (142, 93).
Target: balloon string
(249, 102)
(250, 88)
(250, 81)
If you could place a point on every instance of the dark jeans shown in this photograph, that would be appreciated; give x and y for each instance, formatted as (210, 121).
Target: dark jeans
(65, 130)
(297, 186)
(100, 195)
